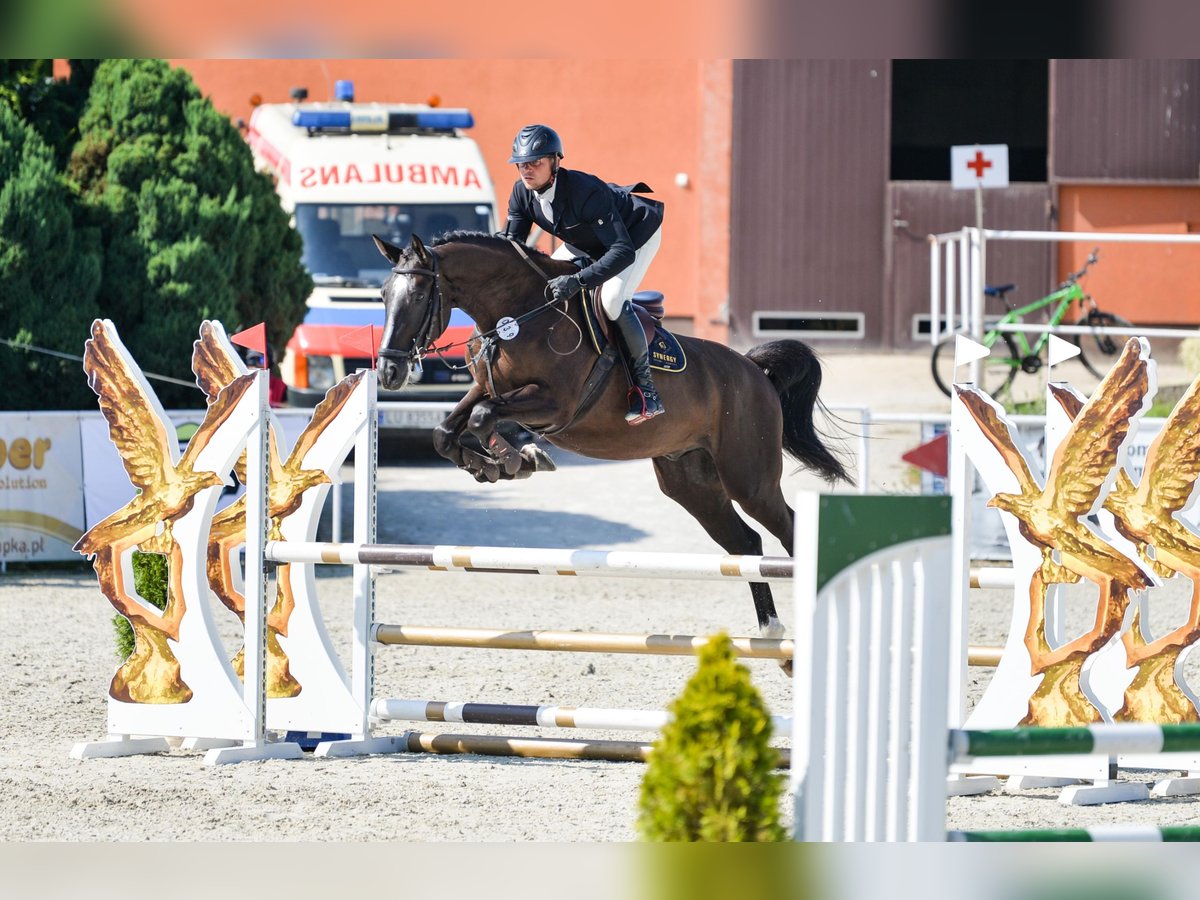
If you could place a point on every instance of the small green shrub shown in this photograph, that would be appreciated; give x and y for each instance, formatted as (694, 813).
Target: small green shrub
(712, 774)
(150, 581)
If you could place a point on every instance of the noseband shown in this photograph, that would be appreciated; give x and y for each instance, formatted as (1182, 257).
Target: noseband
(432, 312)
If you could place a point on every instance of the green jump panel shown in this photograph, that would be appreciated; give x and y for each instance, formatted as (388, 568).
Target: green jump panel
(853, 526)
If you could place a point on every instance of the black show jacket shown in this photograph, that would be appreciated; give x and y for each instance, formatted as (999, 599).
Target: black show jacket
(605, 221)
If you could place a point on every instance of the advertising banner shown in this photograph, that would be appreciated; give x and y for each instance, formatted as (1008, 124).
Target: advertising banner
(60, 475)
(41, 486)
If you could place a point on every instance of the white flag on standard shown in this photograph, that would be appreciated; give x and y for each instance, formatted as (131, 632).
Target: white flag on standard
(967, 351)
(1061, 351)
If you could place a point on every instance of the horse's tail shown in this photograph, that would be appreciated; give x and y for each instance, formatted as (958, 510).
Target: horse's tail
(795, 372)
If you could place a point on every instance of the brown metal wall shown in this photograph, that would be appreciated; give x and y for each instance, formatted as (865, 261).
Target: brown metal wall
(920, 208)
(810, 159)
(1125, 118)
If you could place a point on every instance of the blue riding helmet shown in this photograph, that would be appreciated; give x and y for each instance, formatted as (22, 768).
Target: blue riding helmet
(534, 142)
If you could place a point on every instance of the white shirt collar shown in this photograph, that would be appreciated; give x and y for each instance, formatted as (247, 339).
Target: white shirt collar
(546, 200)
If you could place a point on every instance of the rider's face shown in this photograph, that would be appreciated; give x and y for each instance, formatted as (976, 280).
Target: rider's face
(537, 174)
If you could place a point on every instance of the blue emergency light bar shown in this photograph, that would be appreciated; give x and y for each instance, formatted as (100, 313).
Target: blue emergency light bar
(382, 120)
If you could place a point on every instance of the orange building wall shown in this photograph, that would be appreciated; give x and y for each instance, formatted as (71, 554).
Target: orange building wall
(1149, 284)
(625, 121)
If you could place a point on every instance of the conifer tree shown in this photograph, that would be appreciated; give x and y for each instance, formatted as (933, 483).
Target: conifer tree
(191, 231)
(49, 276)
(712, 774)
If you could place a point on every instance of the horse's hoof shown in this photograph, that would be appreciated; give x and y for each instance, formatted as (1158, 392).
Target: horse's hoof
(787, 666)
(537, 459)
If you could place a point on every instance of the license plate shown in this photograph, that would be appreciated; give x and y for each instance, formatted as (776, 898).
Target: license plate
(425, 419)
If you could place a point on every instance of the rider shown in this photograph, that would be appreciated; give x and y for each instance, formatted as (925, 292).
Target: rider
(617, 231)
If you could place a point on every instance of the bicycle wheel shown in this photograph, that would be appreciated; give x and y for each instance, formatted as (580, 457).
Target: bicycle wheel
(1102, 346)
(996, 372)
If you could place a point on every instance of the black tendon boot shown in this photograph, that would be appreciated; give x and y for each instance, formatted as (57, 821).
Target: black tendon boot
(643, 398)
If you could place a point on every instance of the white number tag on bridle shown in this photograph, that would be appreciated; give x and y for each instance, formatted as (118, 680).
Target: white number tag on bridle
(507, 328)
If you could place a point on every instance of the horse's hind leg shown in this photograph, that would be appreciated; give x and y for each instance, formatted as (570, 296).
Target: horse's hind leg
(693, 482)
(754, 485)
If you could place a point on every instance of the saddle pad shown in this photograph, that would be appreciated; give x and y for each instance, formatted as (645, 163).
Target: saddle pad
(666, 353)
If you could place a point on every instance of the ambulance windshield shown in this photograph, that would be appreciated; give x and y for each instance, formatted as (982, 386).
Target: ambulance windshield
(337, 236)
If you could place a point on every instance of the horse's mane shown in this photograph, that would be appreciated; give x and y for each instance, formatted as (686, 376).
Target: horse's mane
(480, 239)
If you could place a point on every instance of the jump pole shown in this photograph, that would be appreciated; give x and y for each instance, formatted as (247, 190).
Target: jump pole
(574, 641)
(1102, 739)
(541, 748)
(535, 561)
(535, 716)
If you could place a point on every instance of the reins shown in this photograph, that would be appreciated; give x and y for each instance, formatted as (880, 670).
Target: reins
(487, 337)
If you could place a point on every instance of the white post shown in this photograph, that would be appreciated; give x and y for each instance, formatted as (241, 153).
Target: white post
(964, 282)
(864, 444)
(335, 525)
(935, 291)
(974, 294)
(952, 315)
(960, 505)
(807, 711)
(254, 656)
(366, 447)
(255, 652)
(962, 479)
(362, 668)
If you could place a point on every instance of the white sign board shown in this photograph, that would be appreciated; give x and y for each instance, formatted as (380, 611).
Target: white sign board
(979, 165)
(41, 496)
(51, 490)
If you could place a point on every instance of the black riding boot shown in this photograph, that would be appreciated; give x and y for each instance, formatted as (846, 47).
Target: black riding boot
(643, 398)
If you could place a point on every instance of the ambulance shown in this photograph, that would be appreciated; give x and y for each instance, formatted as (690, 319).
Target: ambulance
(345, 171)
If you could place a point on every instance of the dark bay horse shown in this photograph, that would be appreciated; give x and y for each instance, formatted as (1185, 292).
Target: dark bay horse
(728, 415)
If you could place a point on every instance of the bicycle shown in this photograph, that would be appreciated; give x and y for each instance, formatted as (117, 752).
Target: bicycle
(997, 372)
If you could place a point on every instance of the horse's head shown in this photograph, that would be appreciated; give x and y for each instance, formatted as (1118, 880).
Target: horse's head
(413, 306)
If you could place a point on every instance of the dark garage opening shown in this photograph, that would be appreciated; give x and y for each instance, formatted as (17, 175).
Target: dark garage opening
(937, 103)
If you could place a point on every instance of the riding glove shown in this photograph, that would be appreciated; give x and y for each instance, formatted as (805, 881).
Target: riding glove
(564, 287)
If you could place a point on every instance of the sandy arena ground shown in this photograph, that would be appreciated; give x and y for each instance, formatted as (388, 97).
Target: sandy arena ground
(58, 657)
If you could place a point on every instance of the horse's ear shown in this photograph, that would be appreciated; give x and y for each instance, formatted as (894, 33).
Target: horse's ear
(418, 247)
(391, 251)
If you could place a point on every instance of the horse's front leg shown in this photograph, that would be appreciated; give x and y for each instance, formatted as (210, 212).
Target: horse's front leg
(530, 401)
(447, 437)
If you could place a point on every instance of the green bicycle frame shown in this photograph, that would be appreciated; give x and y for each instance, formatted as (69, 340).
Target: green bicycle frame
(1064, 297)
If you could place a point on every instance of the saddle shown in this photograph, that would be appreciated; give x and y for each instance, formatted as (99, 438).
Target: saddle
(666, 353)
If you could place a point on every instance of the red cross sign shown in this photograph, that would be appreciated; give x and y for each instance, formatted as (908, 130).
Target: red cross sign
(979, 165)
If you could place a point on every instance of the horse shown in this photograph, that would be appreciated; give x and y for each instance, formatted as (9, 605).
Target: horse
(728, 415)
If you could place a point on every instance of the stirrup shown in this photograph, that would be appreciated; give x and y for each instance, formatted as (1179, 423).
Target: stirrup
(643, 406)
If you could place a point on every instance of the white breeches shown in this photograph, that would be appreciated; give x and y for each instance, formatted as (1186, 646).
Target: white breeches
(623, 285)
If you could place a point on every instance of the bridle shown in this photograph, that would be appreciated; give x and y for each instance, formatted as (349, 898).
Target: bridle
(487, 340)
(433, 311)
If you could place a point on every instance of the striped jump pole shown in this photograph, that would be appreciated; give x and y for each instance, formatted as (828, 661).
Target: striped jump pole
(542, 748)
(574, 641)
(1154, 833)
(601, 642)
(1090, 740)
(992, 577)
(534, 716)
(539, 561)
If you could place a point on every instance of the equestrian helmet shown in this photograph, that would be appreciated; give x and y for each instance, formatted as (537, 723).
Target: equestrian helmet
(534, 142)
